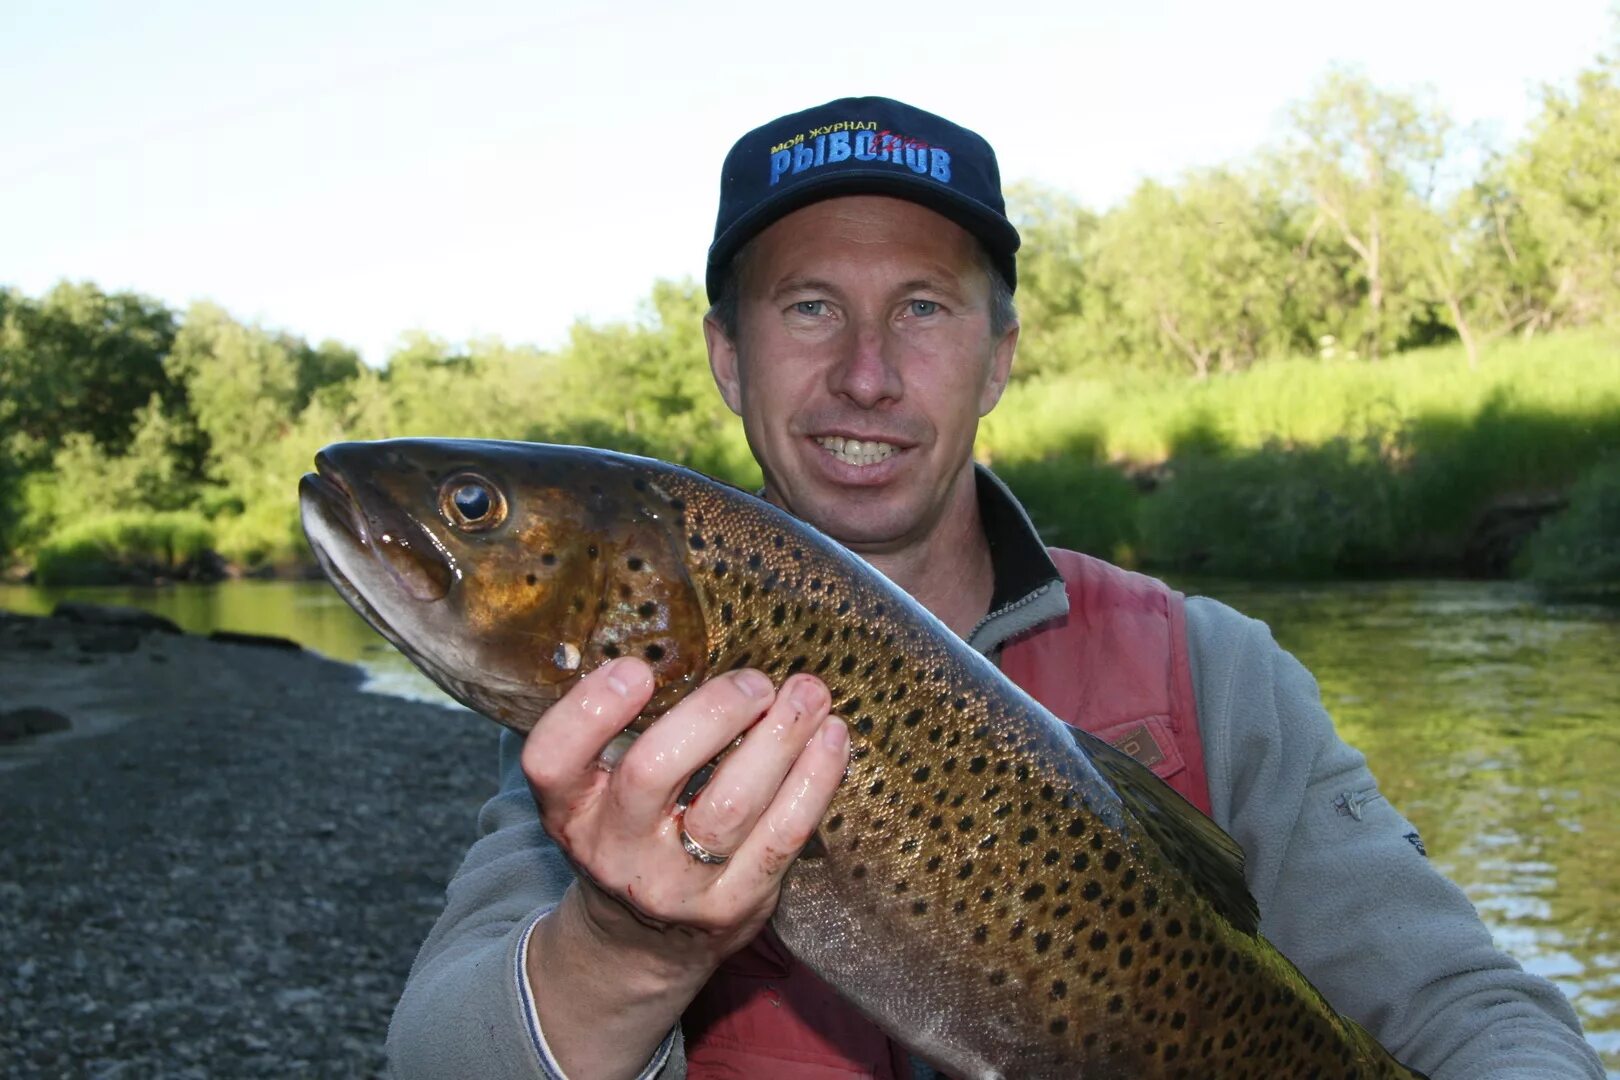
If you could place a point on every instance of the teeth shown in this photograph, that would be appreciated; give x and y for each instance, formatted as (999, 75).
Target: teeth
(854, 451)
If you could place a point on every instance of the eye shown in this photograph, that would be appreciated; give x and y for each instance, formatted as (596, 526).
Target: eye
(924, 307)
(472, 503)
(811, 307)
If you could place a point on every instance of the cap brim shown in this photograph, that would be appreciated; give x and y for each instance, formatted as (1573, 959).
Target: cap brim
(993, 230)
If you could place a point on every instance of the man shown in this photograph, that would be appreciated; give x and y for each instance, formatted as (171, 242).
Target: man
(862, 274)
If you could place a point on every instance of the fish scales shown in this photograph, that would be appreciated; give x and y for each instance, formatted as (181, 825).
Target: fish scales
(1004, 895)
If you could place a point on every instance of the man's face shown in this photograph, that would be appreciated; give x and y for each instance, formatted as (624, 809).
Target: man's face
(862, 364)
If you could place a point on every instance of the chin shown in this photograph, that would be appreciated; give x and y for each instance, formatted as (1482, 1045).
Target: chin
(864, 528)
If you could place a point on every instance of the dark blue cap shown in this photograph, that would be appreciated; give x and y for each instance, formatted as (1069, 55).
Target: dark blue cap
(860, 146)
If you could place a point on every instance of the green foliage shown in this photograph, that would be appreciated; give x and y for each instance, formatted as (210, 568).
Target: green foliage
(1276, 512)
(1309, 467)
(1273, 282)
(113, 548)
(1581, 546)
(77, 360)
(1080, 506)
(1549, 217)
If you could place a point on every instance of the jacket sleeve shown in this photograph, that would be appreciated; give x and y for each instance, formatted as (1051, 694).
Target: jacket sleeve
(1344, 889)
(465, 1010)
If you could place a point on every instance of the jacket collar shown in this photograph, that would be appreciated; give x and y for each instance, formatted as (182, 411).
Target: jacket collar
(1028, 588)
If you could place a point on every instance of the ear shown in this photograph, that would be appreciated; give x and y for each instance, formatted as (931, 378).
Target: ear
(723, 363)
(1000, 369)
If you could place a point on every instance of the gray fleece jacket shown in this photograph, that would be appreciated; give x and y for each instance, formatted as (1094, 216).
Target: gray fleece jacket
(1343, 888)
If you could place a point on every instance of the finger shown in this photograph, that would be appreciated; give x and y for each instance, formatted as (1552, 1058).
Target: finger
(745, 782)
(656, 767)
(559, 755)
(800, 804)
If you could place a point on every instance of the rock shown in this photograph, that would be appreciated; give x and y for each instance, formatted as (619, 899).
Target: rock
(31, 720)
(111, 615)
(262, 641)
(109, 639)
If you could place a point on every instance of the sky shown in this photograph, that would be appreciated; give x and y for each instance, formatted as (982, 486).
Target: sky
(355, 171)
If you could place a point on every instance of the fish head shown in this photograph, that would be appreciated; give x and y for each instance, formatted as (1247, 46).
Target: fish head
(507, 571)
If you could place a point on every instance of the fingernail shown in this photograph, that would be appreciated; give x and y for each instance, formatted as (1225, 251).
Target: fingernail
(615, 678)
(834, 735)
(753, 683)
(806, 696)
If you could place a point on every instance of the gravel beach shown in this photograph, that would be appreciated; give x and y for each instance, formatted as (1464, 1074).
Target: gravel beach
(224, 866)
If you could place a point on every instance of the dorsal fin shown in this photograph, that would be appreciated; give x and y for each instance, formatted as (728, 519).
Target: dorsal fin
(1194, 844)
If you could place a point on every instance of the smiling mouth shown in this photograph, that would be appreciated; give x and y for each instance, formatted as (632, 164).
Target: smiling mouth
(856, 451)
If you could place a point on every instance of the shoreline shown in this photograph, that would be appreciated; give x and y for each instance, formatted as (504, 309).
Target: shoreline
(226, 864)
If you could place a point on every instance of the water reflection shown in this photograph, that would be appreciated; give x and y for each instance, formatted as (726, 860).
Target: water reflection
(1488, 715)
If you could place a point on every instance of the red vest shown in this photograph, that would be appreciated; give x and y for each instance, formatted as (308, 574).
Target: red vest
(1115, 666)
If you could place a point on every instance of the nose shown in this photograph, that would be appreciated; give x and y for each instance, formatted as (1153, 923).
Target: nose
(867, 374)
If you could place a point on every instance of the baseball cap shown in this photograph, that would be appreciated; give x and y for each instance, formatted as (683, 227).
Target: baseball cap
(860, 146)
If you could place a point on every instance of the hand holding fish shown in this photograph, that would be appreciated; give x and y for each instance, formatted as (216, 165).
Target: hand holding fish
(643, 906)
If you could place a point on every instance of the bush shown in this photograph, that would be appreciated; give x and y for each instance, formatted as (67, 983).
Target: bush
(1078, 505)
(1276, 512)
(1581, 546)
(127, 547)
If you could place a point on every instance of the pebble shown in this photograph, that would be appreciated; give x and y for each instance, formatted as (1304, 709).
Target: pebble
(194, 893)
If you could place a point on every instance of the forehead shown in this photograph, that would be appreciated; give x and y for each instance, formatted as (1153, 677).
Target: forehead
(863, 233)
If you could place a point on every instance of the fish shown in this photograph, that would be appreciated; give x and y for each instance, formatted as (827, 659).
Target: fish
(1003, 894)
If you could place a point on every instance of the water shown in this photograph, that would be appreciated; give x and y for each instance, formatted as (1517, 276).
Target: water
(1489, 715)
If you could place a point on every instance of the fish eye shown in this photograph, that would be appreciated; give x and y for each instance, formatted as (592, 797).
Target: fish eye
(472, 503)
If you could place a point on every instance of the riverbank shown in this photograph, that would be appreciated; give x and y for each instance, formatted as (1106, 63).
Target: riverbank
(225, 865)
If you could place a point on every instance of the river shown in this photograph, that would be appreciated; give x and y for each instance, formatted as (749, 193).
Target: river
(1490, 715)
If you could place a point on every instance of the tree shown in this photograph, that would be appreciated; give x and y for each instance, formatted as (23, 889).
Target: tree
(1549, 218)
(1202, 271)
(1053, 282)
(1367, 160)
(78, 360)
(242, 385)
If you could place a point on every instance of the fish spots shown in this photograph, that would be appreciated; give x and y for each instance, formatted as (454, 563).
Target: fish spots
(610, 650)
(835, 822)
(548, 558)
(697, 542)
(531, 579)
(653, 653)
(635, 562)
(1058, 1025)
(1060, 989)
(647, 609)
(727, 613)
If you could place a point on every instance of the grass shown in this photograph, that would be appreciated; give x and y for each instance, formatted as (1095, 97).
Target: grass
(1297, 468)
(1309, 468)
(125, 547)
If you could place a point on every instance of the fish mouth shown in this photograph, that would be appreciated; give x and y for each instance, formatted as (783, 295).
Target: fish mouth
(331, 518)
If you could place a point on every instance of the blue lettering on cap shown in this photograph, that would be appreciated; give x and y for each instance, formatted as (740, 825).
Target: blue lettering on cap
(838, 147)
(779, 164)
(863, 146)
(803, 158)
(917, 159)
(939, 165)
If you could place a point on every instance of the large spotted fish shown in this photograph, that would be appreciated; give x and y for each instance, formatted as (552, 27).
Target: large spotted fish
(1004, 896)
